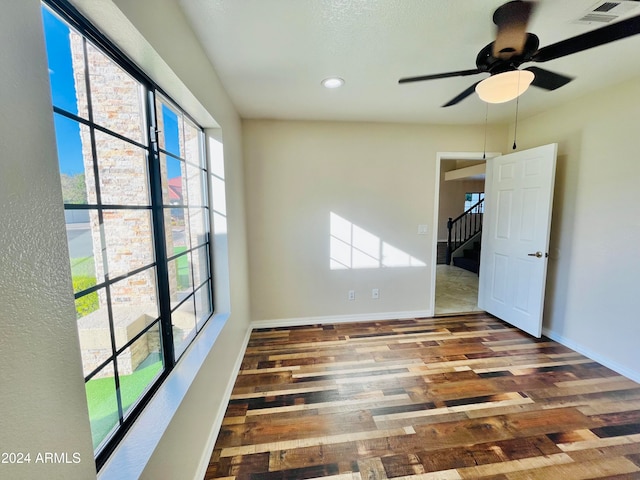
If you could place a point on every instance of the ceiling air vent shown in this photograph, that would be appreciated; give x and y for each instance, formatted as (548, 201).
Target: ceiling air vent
(605, 12)
(605, 7)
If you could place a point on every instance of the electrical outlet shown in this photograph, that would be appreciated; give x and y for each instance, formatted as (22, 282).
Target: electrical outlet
(352, 295)
(375, 293)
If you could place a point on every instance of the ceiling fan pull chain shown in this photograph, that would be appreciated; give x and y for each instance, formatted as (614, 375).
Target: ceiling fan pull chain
(484, 149)
(515, 129)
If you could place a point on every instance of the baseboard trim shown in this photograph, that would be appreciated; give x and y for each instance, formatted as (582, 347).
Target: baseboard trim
(360, 317)
(222, 409)
(587, 352)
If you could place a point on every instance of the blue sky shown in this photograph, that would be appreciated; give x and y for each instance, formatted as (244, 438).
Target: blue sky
(64, 96)
(63, 93)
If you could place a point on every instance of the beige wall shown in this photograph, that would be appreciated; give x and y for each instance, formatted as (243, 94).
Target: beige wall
(592, 298)
(43, 398)
(44, 408)
(379, 177)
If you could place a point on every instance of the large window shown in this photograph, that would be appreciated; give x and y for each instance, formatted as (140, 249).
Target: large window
(134, 183)
(184, 181)
(471, 199)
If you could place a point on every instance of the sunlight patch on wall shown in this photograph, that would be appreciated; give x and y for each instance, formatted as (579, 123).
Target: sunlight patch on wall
(351, 247)
(218, 192)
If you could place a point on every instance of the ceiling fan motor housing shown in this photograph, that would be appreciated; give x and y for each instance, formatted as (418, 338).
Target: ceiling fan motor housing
(486, 62)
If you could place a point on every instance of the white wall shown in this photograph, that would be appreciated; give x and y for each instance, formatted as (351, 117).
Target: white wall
(43, 400)
(380, 177)
(44, 408)
(593, 290)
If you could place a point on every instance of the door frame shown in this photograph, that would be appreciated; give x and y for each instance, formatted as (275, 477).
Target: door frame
(436, 208)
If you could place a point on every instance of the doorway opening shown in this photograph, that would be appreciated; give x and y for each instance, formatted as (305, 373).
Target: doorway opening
(459, 189)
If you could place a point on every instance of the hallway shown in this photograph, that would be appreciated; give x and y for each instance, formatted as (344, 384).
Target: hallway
(456, 290)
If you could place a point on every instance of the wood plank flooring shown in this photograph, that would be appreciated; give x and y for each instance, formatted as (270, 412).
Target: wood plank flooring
(466, 397)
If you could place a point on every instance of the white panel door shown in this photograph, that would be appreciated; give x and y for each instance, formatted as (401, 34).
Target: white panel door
(515, 236)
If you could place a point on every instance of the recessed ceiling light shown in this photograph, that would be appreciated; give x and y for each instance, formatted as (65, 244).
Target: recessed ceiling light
(332, 82)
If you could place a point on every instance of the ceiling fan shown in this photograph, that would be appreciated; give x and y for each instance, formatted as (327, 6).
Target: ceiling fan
(514, 46)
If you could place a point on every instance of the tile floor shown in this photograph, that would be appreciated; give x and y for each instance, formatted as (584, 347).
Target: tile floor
(456, 290)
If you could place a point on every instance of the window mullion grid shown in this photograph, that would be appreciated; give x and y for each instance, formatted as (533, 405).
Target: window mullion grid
(185, 201)
(157, 209)
(182, 254)
(100, 128)
(91, 36)
(96, 173)
(139, 335)
(202, 208)
(209, 208)
(168, 153)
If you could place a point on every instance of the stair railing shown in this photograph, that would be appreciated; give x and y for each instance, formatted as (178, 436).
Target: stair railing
(463, 228)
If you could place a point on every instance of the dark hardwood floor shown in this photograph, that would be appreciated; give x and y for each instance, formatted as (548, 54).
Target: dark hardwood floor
(445, 398)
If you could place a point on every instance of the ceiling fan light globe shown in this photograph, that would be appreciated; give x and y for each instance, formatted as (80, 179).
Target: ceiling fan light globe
(502, 87)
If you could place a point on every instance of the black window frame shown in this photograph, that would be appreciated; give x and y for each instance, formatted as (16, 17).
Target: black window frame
(76, 21)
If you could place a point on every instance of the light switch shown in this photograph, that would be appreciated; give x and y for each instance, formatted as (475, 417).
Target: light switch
(423, 229)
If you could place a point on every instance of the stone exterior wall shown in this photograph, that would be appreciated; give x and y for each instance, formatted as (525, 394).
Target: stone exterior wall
(197, 225)
(125, 235)
(124, 240)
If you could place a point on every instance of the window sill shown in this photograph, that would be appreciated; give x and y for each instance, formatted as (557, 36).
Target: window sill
(135, 450)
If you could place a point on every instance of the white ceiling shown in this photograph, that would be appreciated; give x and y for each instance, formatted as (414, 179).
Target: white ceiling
(272, 54)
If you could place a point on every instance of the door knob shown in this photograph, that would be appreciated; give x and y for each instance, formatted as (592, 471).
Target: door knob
(537, 254)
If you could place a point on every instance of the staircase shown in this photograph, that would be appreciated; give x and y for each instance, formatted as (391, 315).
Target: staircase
(470, 259)
(463, 239)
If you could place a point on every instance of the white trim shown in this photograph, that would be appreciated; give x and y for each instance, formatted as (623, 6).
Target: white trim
(360, 317)
(466, 156)
(436, 205)
(434, 233)
(587, 352)
(222, 408)
(477, 172)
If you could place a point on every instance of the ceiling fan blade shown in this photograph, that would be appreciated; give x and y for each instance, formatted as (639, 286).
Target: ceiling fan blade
(462, 95)
(610, 33)
(548, 80)
(461, 73)
(512, 19)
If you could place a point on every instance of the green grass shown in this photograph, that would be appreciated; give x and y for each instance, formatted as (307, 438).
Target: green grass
(84, 276)
(83, 267)
(101, 397)
(87, 303)
(182, 264)
(101, 392)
